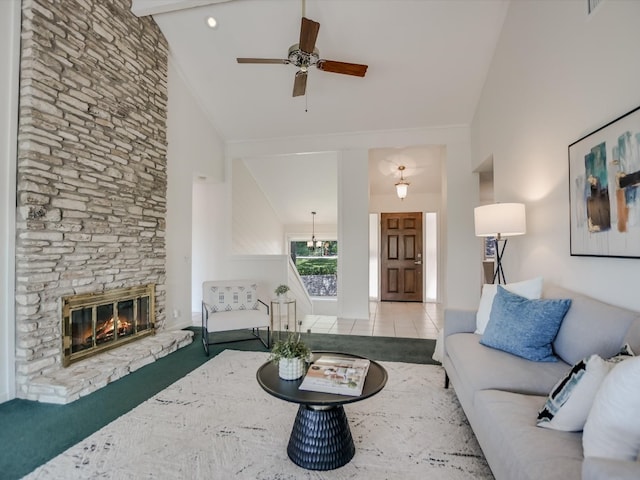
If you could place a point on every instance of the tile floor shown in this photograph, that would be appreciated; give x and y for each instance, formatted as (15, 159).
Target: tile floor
(386, 319)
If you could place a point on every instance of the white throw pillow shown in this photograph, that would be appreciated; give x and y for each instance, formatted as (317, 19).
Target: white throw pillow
(571, 398)
(233, 297)
(612, 429)
(531, 289)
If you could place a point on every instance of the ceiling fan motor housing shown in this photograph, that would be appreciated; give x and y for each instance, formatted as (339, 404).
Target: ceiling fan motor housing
(302, 59)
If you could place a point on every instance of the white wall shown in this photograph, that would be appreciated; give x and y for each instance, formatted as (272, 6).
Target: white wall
(212, 247)
(457, 235)
(195, 153)
(556, 76)
(256, 229)
(209, 244)
(414, 202)
(353, 234)
(431, 258)
(9, 58)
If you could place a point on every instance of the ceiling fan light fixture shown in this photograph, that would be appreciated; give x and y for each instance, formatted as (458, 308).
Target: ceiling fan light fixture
(402, 187)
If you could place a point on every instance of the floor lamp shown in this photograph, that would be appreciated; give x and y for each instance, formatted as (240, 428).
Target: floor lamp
(500, 220)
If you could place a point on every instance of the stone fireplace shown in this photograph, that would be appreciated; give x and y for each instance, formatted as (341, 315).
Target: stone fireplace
(91, 196)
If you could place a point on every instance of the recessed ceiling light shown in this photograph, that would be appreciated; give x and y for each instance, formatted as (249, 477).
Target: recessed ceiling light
(212, 22)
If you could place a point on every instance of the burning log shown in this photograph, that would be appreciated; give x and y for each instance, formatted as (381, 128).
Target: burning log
(105, 332)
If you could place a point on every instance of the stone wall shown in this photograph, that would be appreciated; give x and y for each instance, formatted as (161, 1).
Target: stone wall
(91, 193)
(321, 285)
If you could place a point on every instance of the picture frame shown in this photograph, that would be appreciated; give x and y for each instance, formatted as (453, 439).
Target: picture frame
(489, 248)
(604, 190)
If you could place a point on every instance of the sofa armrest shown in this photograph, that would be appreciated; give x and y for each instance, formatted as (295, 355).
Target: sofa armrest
(594, 468)
(459, 321)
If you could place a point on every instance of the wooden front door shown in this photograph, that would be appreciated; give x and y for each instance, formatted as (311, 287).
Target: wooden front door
(401, 257)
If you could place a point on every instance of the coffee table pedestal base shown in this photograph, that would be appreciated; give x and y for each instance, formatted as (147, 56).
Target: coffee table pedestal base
(321, 438)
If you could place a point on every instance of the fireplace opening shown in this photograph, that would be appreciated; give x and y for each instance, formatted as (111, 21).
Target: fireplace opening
(96, 322)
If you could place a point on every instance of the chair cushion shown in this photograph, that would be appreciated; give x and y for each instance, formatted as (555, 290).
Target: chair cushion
(237, 319)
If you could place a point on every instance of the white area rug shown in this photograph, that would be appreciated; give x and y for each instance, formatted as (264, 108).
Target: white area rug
(217, 423)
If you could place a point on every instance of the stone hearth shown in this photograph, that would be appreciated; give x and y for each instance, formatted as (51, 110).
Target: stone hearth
(69, 384)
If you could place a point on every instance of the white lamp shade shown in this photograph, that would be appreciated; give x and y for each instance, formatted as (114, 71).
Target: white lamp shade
(402, 189)
(500, 220)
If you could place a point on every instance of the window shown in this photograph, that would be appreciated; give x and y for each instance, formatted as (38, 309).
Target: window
(317, 266)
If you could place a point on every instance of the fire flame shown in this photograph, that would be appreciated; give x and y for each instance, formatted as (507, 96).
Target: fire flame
(106, 330)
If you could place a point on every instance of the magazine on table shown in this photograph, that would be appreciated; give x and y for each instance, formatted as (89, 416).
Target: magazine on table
(344, 376)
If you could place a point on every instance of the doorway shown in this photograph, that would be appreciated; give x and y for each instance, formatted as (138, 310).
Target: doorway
(401, 260)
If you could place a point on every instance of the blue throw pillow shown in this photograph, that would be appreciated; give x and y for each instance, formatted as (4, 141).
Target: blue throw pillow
(524, 327)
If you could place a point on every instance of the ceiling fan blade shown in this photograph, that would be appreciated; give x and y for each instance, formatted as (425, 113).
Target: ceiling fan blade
(308, 35)
(342, 67)
(263, 60)
(300, 84)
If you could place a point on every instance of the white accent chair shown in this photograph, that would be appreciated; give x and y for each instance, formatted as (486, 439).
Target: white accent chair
(233, 305)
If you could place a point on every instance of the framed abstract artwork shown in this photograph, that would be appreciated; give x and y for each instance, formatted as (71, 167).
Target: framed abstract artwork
(604, 196)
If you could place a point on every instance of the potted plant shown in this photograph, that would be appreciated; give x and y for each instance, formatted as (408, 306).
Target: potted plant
(290, 355)
(281, 291)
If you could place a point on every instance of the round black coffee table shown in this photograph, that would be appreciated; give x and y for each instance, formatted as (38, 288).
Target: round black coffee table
(320, 438)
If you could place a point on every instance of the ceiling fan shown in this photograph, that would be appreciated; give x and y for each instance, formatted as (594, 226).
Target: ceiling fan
(305, 54)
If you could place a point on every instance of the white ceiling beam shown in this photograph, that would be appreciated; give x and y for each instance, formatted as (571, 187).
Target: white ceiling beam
(142, 8)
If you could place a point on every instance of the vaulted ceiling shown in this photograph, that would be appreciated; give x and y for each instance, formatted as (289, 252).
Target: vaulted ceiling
(427, 62)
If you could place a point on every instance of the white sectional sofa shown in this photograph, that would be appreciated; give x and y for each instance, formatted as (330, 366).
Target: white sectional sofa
(502, 393)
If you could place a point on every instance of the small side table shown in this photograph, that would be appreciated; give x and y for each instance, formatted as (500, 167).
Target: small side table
(283, 315)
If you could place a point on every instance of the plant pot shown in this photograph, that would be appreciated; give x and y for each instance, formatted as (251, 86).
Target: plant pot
(291, 368)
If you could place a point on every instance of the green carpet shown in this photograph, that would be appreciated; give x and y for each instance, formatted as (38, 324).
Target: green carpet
(31, 433)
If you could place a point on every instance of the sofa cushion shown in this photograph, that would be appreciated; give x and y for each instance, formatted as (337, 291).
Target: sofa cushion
(481, 367)
(531, 289)
(590, 326)
(524, 327)
(505, 425)
(612, 429)
(594, 468)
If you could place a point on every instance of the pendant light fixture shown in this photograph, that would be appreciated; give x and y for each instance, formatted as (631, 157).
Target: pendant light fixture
(313, 243)
(402, 187)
